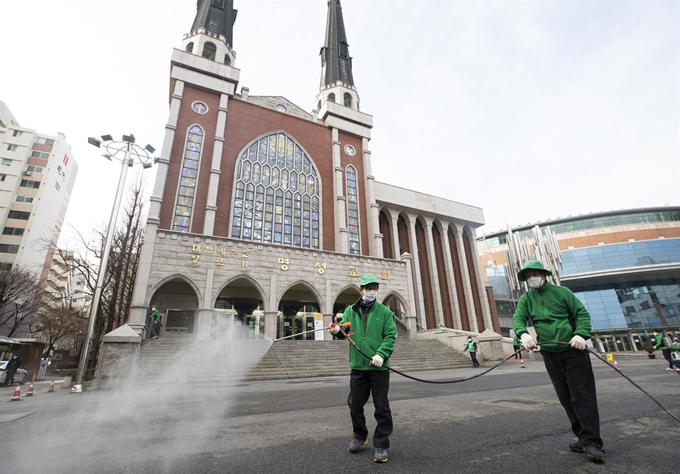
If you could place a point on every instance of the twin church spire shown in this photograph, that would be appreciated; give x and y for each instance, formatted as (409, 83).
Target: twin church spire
(212, 37)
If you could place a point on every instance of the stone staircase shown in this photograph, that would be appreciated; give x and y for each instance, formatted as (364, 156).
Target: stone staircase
(298, 359)
(183, 359)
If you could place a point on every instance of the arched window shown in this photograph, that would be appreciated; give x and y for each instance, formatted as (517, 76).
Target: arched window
(331, 97)
(209, 50)
(187, 182)
(353, 210)
(190, 48)
(227, 60)
(276, 194)
(318, 106)
(348, 99)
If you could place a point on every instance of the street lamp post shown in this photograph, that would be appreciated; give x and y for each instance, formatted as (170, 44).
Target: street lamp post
(129, 154)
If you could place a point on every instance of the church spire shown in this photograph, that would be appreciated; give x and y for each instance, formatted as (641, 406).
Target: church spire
(212, 34)
(337, 81)
(336, 65)
(216, 17)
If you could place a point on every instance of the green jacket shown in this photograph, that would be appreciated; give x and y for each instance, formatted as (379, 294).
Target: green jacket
(374, 334)
(660, 342)
(557, 314)
(155, 316)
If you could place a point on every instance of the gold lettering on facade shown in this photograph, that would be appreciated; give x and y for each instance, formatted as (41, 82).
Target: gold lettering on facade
(219, 261)
(222, 251)
(195, 248)
(284, 262)
(194, 258)
(320, 267)
(244, 263)
(208, 249)
(232, 253)
(385, 274)
(244, 254)
(353, 271)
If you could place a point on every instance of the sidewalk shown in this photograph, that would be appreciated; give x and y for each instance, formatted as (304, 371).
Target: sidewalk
(40, 386)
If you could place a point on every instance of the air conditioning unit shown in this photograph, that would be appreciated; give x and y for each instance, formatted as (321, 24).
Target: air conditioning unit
(27, 173)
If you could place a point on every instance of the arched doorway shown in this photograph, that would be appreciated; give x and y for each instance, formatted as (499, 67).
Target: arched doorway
(177, 300)
(299, 308)
(239, 305)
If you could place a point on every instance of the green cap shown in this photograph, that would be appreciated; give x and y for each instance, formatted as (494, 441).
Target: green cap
(368, 279)
(532, 265)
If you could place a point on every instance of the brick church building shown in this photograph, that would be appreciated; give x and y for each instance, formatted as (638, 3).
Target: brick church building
(264, 214)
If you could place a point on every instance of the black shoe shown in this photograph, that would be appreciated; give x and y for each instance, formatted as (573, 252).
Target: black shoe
(576, 447)
(357, 445)
(380, 455)
(594, 454)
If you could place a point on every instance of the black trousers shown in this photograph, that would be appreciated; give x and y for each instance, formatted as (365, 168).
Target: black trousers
(572, 376)
(363, 383)
(667, 355)
(473, 356)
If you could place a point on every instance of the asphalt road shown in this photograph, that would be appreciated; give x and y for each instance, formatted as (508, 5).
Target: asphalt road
(508, 421)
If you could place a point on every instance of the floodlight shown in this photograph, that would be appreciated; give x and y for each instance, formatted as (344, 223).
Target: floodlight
(149, 148)
(129, 138)
(94, 141)
(107, 138)
(107, 156)
(147, 165)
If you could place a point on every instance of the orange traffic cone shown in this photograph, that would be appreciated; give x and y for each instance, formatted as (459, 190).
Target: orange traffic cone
(17, 395)
(30, 390)
(521, 364)
(51, 389)
(616, 365)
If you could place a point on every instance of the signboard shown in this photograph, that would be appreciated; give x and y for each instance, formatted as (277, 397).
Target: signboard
(318, 325)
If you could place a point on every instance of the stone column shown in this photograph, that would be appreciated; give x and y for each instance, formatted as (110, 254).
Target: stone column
(140, 298)
(204, 314)
(434, 272)
(410, 310)
(341, 230)
(486, 311)
(465, 275)
(417, 281)
(270, 323)
(451, 278)
(215, 167)
(395, 234)
(372, 220)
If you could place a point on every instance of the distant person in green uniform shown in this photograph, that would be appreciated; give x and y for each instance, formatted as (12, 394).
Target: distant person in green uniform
(155, 321)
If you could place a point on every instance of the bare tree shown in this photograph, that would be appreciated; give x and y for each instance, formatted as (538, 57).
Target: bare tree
(57, 323)
(18, 291)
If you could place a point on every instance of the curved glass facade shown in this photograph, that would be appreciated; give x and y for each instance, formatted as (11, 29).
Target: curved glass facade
(618, 256)
(588, 223)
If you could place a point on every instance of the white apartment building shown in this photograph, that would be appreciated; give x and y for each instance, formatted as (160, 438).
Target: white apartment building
(37, 174)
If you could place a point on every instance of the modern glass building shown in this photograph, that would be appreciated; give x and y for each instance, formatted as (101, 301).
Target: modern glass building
(623, 265)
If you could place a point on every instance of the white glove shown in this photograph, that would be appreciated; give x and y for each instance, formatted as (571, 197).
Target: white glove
(528, 342)
(577, 342)
(335, 328)
(377, 361)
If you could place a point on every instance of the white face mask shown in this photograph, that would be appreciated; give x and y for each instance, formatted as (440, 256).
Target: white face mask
(534, 282)
(370, 295)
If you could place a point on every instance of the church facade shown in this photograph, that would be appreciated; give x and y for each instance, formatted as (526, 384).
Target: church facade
(266, 215)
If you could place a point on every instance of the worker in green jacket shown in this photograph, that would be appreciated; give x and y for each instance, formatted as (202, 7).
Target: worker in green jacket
(375, 334)
(155, 321)
(660, 343)
(558, 315)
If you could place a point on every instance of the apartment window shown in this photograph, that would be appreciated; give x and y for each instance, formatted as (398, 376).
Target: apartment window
(30, 184)
(12, 231)
(34, 169)
(45, 141)
(11, 148)
(2, 177)
(26, 199)
(23, 216)
(40, 154)
(17, 133)
(6, 162)
(4, 248)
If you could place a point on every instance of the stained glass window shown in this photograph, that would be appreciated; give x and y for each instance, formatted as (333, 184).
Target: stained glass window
(353, 210)
(276, 196)
(187, 182)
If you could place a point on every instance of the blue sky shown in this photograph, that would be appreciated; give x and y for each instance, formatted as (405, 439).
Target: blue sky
(528, 109)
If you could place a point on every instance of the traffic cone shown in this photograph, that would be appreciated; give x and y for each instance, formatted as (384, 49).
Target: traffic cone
(51, 389)
(521, 364)
(33, 379)
(17, 394)
(616, 365)
(30, 390)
